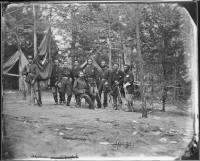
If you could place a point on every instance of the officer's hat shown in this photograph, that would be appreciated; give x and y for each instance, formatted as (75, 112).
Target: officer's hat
(30, 57)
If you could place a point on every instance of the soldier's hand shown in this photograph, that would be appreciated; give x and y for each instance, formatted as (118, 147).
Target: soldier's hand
(56, 83)
(32, 82)
(116, 82)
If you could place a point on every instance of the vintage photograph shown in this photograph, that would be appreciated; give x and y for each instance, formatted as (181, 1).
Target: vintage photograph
(99, 80)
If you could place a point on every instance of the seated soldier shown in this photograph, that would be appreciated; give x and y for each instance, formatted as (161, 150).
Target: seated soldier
(81, 90)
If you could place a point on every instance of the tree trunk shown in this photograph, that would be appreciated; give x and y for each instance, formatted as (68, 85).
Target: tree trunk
(34, 31)
(152, 90)
(164, 92)
(74, 35)
(110, 53)
(141, 63)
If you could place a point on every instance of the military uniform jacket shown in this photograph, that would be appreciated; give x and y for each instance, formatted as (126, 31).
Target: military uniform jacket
(75, 71)
(31, 71)
(55, 74)
(91, 72)
(65, 72)
(91, 75)
(129, 78)
(116, 76)
(105, 74)
(80, 86)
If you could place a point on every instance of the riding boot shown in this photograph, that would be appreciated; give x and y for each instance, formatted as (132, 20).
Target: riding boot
(60, 98)
(98, 102)
(115, 103)
(105, 100)
(68, 100)
(132, 108)
(129, 107)
(55, 98)
(63, 98)
(89, 101)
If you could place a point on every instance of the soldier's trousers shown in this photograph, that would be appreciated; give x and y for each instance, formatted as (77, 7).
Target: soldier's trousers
(129, 99)
(33, 91)
(66, 87)
(55, 91)
(105, 94)
(95, 95)
(116, 97)
(24, 86)
(87, 99)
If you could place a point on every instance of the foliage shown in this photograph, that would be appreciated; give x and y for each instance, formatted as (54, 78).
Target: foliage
(82, 30)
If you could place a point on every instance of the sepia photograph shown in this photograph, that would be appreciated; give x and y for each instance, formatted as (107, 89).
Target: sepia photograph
(100, 80)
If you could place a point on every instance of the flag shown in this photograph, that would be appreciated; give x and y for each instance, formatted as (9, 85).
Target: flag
(44, 59)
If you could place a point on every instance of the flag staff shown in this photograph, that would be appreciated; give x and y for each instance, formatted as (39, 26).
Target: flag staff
(34, 31)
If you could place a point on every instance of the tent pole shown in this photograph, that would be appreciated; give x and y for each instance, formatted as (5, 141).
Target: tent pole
(34, 31)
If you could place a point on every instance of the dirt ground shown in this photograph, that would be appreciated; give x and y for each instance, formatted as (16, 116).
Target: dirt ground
(57, 130)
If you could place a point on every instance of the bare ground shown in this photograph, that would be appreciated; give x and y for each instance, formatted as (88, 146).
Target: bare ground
(52, 131)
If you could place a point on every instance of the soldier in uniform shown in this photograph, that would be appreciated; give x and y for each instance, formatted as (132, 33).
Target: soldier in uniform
(76, 69)
(81, 90)
(104, 80)
(75, 73)
(65, 83)
(31, 72)
(129, 87)
(116, 82)
(92, 78)
(54, 82)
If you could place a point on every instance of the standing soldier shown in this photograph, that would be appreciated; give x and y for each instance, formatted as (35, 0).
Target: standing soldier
(75, 70)
(104, 79)
(92, 78)
(128, 87)
(116, 81)
(54, 82)
(65, 79)
(31, 72)
(81, 90)
(75, 73)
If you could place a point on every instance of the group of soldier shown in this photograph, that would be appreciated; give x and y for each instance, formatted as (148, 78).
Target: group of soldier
(88, 83)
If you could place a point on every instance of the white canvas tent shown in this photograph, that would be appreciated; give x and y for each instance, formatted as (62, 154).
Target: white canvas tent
(10, 63)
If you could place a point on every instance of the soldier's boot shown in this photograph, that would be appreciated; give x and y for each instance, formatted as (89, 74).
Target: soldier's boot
(63, 98)
(55, 96)
(105, 101)
(24, 94)
(89, 101)
(68, 100)
(60, 98)
(98, 102)
(78, 103)
(132, 108)
(39, 96)
(129, 107)
(115, 103)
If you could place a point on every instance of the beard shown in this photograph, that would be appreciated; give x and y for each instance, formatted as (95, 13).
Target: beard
(126, 70)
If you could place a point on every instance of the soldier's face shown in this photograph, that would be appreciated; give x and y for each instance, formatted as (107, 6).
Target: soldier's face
(81, 74)
(125, 68)
(56, 62)
(103, 63)
(76, 63)
(65, 64)
(115, 67)
(89, 61)
(30, 61)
